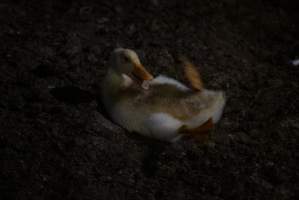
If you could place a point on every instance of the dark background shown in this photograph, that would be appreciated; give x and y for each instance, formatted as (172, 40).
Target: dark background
(55, 142)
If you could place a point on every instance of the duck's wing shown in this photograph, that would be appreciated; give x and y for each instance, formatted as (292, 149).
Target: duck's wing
(181, 104)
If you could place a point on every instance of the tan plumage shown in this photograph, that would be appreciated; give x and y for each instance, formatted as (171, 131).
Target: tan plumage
(192, 74)
(167, 110)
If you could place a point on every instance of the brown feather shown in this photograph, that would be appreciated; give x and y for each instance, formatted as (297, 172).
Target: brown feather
(182, 105)
(201, 133)
(192, 74)
(202, 129)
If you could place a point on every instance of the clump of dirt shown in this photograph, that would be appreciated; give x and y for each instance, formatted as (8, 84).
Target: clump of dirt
(56, 142)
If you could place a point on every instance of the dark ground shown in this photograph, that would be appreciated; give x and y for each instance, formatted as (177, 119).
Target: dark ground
(56, 144)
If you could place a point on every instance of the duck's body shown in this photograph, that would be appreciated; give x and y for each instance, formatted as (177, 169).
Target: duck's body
(165, 111)
(162, 110)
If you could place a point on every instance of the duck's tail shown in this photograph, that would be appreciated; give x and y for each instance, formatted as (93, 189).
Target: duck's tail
(192, 74)
(200, 133)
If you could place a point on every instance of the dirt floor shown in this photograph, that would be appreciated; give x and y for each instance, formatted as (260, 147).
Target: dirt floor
(57, 144)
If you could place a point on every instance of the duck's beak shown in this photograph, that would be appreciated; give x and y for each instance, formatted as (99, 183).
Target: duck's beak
(140, 73)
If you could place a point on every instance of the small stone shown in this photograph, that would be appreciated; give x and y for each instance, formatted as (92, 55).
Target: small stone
(102, 20)
(145, 85)
(92, 58)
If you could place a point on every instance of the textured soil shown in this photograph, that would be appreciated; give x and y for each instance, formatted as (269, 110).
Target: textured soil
(56, 143)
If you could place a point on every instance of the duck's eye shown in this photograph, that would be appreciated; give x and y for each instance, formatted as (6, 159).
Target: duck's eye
(126, 59)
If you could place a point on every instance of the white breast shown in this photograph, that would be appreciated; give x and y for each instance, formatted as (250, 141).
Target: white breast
(162, 126)
(127, 81)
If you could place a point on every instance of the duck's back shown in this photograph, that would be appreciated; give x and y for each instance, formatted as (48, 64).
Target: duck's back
(168, 99)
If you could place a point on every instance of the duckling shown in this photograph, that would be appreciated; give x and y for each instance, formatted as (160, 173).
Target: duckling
(161, 107)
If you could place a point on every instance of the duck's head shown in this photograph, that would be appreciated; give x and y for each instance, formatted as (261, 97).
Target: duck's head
(126, 62)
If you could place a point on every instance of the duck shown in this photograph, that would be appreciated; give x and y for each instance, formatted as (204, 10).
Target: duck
(158, 107)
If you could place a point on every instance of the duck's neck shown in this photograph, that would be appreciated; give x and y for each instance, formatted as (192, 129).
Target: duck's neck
(111, 86)
(114, 80)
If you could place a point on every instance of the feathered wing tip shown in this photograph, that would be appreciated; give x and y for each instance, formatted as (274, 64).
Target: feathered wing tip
(201, 133)
(191, 74)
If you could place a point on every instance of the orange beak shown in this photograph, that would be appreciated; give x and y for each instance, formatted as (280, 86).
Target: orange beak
(141, 73)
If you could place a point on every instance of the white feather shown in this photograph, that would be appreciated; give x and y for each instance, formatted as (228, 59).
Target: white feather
(219, 108)
(163, 126)
(127, 81)
(213, 111)
(166, 80)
